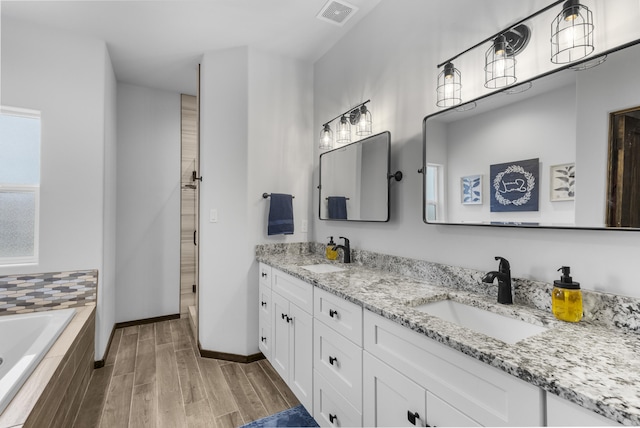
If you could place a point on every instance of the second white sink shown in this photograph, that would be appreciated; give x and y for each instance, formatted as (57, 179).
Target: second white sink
(509, 330)
(322, 268)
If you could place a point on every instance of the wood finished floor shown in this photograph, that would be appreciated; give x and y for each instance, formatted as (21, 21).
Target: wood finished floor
(153, 377)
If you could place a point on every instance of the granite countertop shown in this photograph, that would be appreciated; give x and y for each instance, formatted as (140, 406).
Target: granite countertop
(590, 365)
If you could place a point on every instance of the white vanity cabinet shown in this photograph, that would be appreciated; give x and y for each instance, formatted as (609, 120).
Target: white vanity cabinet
(456, 387)
(264, 310)
(563, 413)
(292, 334)
(337, 362)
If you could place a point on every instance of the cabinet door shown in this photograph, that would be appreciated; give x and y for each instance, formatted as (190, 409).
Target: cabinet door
(265, 275)
(264, 300)
(264, 337)
(441, 414)
(301, 355)
(280, 335)
(389, 398)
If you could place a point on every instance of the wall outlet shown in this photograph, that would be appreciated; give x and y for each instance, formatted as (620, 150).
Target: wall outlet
(213, 216)
(304, 226)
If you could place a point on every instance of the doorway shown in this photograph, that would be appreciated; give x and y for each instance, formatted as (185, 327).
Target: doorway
(189, 198)
(623, 189)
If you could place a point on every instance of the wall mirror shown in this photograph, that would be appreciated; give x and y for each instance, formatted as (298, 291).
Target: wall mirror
(354, 184)
(539, 154)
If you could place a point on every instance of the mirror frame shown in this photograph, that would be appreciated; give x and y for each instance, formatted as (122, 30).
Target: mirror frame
(388, 192)
(473, 102)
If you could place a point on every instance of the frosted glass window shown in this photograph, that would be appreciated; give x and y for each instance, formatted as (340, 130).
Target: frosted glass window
(19, 185)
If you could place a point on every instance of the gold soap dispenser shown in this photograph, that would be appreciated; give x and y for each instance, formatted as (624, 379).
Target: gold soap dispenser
(330, 252)
(566, 297)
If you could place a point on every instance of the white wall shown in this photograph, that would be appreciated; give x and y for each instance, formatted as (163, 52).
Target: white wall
(391, 57)
(70, 80)
(255, 137)
(148, 203)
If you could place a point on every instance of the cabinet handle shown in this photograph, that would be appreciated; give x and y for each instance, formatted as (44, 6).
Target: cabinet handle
(332, 360)
(264, 339)
(333, 313)
(286, 317)
(263, 303)
(332, 418)
(264, 274)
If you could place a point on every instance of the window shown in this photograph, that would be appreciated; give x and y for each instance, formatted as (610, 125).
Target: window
(19, 185)
(434, 193)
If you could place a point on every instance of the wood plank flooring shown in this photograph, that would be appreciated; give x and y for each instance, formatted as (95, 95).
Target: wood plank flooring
(154, 377)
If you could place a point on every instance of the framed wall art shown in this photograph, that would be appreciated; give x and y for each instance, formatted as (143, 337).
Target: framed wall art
(514, 186)
(471, 190)
(563, 182)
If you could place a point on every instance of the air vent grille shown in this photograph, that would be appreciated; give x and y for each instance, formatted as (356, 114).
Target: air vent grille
(337, 12)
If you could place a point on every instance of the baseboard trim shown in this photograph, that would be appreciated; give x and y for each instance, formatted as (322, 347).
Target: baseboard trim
(231, 357)
(147, 321)
(100, 363)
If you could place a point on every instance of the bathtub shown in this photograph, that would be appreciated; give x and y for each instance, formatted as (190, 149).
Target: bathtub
(24, 341)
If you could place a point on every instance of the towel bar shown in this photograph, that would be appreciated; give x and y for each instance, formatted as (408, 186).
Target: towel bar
(348, 199)
(266, 195)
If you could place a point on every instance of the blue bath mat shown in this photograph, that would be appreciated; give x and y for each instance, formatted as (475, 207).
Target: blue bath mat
(293, 417)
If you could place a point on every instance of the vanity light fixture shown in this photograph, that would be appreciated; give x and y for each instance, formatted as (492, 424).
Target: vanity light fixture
(344, 131)
(326, 137)
(500, 64)
(358, 116)
(572, 33)
(449, 86)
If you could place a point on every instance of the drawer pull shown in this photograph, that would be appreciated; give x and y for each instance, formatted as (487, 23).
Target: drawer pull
(264, 339)
(264, 274)
(263, 303)
(412, 416)
(333, 313)
(332, 360)
(332, 418)
(286, 317)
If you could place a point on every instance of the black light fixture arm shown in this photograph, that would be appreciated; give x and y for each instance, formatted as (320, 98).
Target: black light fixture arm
(346, 112)
(490, 38)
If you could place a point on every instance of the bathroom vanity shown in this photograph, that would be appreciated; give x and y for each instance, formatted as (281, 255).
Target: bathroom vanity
(357, 350)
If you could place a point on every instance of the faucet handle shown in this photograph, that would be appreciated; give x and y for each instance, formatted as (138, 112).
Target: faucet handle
(504, 264)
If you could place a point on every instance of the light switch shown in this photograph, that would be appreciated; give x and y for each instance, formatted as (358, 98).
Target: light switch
(213, 216)
(303, 226)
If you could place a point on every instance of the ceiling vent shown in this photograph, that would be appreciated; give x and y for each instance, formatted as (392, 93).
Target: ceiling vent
(337, 12)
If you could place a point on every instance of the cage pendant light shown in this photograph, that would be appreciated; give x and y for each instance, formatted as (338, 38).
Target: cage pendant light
(343, 133)
(364, 122)
(572, 33)
(500, 64)
(326, 137)
(449, 87)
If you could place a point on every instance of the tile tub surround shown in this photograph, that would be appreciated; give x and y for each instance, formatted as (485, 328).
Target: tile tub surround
(21, 294)
(52, 394)
(589, 363)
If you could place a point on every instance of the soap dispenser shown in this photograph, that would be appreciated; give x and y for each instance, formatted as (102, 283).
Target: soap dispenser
(566, 297)
(330, 252)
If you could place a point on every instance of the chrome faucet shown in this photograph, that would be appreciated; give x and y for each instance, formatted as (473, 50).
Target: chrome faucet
(504, 281)
(346, 250)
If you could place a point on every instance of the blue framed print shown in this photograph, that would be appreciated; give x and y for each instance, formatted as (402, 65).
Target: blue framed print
(471, 189)
(514, 186)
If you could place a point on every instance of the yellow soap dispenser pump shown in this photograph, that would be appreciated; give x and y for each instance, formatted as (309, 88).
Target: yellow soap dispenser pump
(330, 252)
(566, 297)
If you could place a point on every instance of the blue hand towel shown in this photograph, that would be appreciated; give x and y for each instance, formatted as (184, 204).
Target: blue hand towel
(280, 215)
(337, 207)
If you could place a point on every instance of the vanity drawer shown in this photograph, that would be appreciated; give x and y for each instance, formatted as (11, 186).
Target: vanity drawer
(264, 300)
(264, 337)
(293, 289)
(330, 408)
(339, 361)
(484, 393)
(342, 316)
(265, 275)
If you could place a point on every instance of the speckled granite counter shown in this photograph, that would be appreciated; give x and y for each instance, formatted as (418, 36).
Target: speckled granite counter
(595, 366)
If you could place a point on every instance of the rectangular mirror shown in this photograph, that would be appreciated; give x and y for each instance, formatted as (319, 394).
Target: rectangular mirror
(354, 184)
(539, 154)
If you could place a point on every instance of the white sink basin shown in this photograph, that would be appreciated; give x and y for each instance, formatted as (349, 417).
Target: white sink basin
(509, 330)
(322, 268)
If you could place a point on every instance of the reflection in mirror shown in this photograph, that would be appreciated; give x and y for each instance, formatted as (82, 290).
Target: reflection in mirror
(537, 157)
(353, 180)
